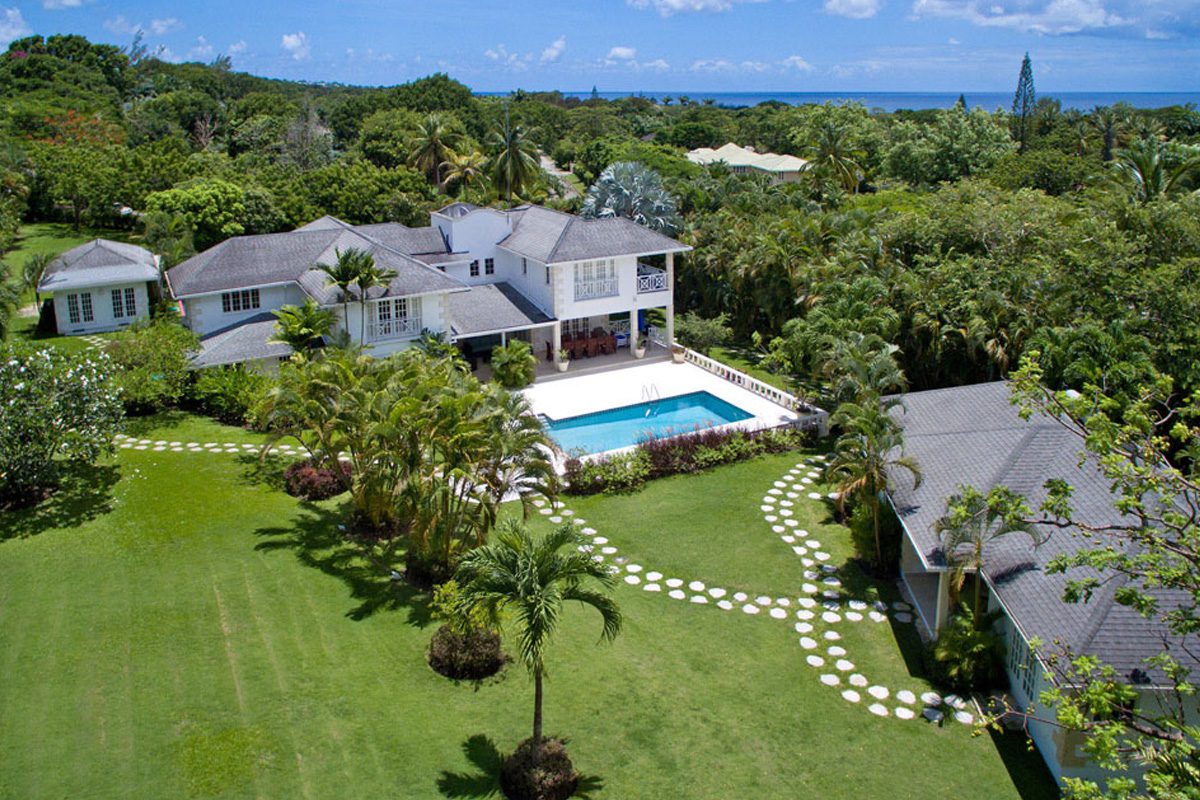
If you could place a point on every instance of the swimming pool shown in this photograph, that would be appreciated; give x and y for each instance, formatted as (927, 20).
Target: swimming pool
(615, 428)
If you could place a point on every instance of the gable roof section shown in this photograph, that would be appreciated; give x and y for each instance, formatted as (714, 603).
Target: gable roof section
(553, 237)
(491, 307)
(974, 435)
(274, 258)
(100, 262)
(248, 340)
(736, 156)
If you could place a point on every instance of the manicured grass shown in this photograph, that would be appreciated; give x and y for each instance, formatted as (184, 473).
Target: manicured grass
(747, 361)
(176, 627)
(181, 426)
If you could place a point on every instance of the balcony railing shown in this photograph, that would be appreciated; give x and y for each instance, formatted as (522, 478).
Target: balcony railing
(651, 279)
(590, 290)
(403, 328)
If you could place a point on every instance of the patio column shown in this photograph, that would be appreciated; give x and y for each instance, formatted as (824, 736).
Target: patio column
(633, 326)
(942, 615)
(670, 310)
(557, 340)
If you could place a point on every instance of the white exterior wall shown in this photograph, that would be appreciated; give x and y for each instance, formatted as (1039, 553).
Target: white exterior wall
(203, 314)
(626, 299)
(435, 316)
(102, 309)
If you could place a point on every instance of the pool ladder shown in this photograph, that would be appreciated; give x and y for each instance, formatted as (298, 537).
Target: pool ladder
(649, 393)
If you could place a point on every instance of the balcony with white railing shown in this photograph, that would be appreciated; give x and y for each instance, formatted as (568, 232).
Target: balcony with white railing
(402, 328)
(651, 279)
(596, 288)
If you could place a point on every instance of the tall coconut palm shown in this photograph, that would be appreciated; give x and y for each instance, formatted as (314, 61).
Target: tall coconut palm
(1142, 169)
(302, 327)
(432, 144)
(370, 276)
(515, 164)
(833, 155)
(869, 450)
(467, 170)
(971, 522)
(632, 190)
(532, 579)
(343, 272)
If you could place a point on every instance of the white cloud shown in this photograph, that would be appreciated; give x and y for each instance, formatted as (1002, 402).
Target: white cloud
(121, 26)
(160, 26)
(658, 65)
(58, 5)
(712, 65)
(1051, 17)
(620, 53)
(237, 47)
(796, 62)
(555, 50)
(202, 49)
(12, 25)
(501, 55)
(953, 41)
(296, 44)
(854, 9)
(668, 7)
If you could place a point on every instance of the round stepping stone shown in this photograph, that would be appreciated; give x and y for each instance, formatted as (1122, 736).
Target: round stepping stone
(808, 562)
(781, 529)
(954, 701)
(600, 540)
(633, 568)
(815, 661)
(832, 636)
(900, 605)
(716, 593)
(783, 601)
(831, 617)
(932, 714)
(632, 580)
(836, 651)
(832, 598)
(807, 602)
(698, 599)
(803, 627)
(905, 696)
(785, 503)
(546, 511)
(651, 587)
(858, 680)
(676, 594)
(589, 531)
(854, 616)
(674, 583)
(878, 692)
(819, 556)
(931, 698)
(785, 512)
(654, 576)
(566, 512)
(763, 600)
(807, 643)
(608, 551)
(750, 608)
(832, 495)
(140, 447)
(831, 582)
(904, 713)
(780, 485)
(778, 613)
(766, 508)
(858, 605)
(844, 665)
(774, 491)
(790, 522)
(740, 597)
(809, 588)
(798, 550)
(696, 586)
(770, 518)
(724, 605)
(877, 617)
(556, 519)
(850, 696)
(804, 614)
(814, 495)
(878, 709)
(830, 680)
(963, 717)
(903, 616)
(806, 480)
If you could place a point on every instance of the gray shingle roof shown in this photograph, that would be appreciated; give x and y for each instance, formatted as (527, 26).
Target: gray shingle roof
(247, 261)
(974, 435)
(100, 262)
(245, 341)
(493, 307)
(553, 237)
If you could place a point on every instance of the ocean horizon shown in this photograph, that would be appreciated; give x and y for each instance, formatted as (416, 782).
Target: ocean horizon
(894, 101)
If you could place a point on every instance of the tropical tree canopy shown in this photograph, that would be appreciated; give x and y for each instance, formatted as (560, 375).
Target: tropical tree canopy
(632, 190)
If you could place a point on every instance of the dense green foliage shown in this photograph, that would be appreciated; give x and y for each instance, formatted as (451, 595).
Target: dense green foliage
(513, 365)
(151, 364)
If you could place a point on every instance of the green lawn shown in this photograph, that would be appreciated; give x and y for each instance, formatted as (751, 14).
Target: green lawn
(173, 626)
(746, 360)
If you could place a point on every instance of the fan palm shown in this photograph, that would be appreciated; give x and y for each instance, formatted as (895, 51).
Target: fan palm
(515, 164)
(531, 579)
(971, 522)
(302, 327)
(432, 144)
(869, 450)
(632, 190)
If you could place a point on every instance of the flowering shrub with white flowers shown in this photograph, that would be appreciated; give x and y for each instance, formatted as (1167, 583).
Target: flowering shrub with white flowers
(54, 407)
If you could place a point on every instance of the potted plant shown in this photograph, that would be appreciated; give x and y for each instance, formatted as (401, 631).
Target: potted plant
(639, 345)
(564, 360)
(677, 353)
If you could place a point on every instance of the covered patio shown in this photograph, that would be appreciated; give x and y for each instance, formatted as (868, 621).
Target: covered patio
(491, 314)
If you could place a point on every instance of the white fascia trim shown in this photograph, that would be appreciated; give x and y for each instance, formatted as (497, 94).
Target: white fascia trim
(516, 328)
(683, 248)
(238, 289)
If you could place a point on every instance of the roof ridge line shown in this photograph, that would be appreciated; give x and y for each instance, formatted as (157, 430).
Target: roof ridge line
(557, 242)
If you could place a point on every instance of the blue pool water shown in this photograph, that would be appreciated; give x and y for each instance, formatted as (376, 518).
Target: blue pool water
(628, 425)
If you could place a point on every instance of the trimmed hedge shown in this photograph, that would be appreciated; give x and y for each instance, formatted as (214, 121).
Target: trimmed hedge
(539, 772)
(470, 656)
(688, 453)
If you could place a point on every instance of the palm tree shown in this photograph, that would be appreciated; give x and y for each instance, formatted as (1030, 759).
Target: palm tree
(869, 450)
(515, 164)
(344, 272)
(532, 579)
(1108, 122)
(833, 155)
(432, 144)
(632, 190)
(860, 366)
(32, 272)
(370, 275)
(467, 170)
(519, 456)
(1142, 169)
(302, 327)
(972, 521)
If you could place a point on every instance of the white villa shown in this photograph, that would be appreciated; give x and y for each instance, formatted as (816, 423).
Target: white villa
(478, 275)
(974, 435)
(100, 286)
(744, 160)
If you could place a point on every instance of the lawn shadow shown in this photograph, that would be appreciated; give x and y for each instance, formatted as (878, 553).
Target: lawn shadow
(1028, 772)
(486, 758)
(140, 427)
(858, 583)
(84, 493)
(267, 471)
(318, 541)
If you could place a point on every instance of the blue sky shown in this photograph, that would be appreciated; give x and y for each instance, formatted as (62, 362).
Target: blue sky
(664, 45)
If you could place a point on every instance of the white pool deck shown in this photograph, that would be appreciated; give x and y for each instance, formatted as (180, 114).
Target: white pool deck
(570, 397)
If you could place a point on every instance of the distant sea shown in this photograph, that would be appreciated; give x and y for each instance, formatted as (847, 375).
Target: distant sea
(892, 101)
